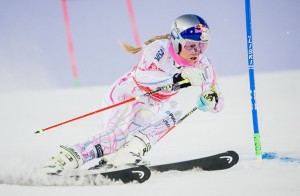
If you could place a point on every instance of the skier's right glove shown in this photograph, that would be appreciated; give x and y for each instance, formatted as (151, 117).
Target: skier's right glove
(193, 74)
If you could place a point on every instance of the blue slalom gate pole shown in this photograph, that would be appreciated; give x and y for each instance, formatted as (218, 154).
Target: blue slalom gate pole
(257, 142)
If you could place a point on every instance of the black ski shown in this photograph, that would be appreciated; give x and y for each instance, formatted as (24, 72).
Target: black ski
(142, 173)
(219, 161)
(139, 173)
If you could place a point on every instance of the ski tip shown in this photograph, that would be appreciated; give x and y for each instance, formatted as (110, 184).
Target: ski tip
(224, 160)
(144, 175)
(140, 174)
(235, 156)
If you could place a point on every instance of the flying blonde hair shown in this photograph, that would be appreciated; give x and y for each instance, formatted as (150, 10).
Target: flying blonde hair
(133, 50)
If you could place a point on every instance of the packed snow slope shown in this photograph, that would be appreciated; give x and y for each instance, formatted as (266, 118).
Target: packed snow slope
(278, 95)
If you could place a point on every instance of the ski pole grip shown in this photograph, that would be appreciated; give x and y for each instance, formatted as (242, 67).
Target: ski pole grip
(185, 81)
(173, 87)
(178, 85)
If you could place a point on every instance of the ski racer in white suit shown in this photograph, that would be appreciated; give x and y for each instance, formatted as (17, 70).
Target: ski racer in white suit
(132, 129)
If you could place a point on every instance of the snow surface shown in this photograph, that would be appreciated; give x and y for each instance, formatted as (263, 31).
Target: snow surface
(22, 113)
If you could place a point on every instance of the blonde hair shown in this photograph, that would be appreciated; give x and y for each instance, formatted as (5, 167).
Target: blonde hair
(133, 50)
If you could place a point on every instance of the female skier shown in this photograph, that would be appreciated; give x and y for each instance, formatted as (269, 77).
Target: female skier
(130, 130)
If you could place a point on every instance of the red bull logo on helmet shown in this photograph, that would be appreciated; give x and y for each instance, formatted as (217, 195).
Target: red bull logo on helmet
(201, 28)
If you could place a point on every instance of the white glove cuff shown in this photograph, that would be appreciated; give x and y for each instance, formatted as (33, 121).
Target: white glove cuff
(194, 76)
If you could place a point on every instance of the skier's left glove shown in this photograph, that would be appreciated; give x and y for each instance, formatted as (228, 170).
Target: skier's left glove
(208, 100)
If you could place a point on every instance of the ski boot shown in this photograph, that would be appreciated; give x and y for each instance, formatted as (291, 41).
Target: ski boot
(131, 153)
(67, 159)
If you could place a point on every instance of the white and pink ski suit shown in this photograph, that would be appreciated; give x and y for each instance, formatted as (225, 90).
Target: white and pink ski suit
(144, 116)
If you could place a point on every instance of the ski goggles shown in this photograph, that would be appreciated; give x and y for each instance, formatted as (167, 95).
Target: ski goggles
(192, 47)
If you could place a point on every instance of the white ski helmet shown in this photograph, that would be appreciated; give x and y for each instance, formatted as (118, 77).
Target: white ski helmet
(188, 27)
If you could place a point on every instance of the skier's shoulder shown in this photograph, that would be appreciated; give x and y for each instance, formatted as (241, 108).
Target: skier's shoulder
(157, 49)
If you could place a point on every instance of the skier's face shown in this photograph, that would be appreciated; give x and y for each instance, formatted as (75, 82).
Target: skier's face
(191, 51)
(191, 58)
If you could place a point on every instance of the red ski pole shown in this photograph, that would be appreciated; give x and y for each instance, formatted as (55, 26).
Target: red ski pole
(171, 86)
